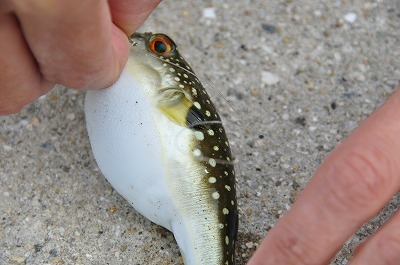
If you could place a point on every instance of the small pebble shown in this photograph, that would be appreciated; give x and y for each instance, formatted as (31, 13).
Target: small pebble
(70, 116)
(285, 166)
(312, 128)
(35, 121)
(250, 244)
(350, 17)
(57, 261)
(249, 211)
(269, 78)
(112, 209)
(209, 12)
(23, 122)
(17, 259)
(317, 13)
(268, 28)
(7, 147)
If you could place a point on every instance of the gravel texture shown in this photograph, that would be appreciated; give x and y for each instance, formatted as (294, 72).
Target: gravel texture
(300, 76)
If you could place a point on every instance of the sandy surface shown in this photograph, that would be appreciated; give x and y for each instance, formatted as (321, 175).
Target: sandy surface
(301, 73)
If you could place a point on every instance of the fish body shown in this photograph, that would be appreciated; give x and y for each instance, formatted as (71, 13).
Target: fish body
(159, 141)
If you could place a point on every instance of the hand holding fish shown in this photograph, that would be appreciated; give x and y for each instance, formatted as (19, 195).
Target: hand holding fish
(80, 44)
(353, 184)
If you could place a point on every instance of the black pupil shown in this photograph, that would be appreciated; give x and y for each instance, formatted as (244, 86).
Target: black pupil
(160, 46)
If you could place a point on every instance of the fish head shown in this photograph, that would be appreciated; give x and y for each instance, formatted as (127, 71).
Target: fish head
(157, 64)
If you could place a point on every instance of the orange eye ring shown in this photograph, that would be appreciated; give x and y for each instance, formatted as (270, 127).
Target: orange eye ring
(160, 45)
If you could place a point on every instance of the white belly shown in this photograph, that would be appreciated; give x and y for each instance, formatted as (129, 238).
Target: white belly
(125, 139)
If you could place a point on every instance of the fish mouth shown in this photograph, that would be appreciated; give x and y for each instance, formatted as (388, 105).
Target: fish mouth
(140, 36)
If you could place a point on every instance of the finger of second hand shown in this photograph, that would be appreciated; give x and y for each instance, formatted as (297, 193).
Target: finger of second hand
(20, 79)
(352, 185)
(72, 41)
(383, 247)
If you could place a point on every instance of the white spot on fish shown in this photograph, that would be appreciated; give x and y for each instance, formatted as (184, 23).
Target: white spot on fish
(208, 113)
(197, 105)
(225, 211)
(212, 180)
(199, 135)
(181, 86)
(185, 76)
(228, 188)
(221, 225)
(177, 78)
(215, 195)
(226, 173)
(227, 240)
(233, 202)
(216, 148)
(171, 69)
(210, 132)
(212, 162)
(197, 152)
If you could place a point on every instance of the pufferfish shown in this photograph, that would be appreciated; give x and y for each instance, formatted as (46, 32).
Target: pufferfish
(158, 139)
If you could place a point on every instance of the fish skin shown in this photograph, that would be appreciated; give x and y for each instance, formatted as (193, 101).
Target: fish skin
(194, 192)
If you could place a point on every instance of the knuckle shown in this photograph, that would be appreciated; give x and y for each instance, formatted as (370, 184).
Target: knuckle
(293, 250)
(81, 77)
(362, 176)
(82, 68)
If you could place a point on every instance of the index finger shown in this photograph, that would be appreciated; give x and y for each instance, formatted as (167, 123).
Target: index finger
(351, 186)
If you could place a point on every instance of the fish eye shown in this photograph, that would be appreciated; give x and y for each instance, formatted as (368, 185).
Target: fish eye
(160, 44)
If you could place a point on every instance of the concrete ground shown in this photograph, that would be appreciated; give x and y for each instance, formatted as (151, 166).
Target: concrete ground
(301, 73)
